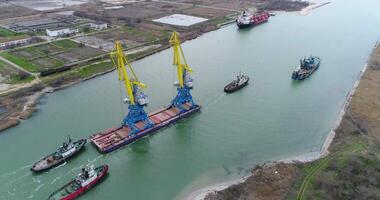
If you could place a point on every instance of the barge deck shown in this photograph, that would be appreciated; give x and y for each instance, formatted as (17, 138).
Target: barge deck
(114, 138)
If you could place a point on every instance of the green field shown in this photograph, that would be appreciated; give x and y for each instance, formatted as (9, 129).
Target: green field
(2, 64)
(94, 68)
(15, 79)
(7, 33)
(78, 73)
(49, 56)
(13, 75)
(20, 61)
(66, 44)
(145, 35)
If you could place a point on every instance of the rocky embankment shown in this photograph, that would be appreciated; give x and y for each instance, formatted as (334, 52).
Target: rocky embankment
(349, 171)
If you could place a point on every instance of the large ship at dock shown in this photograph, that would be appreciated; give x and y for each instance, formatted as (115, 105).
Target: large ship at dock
(137, 123)
(306, 68)
(248, 19)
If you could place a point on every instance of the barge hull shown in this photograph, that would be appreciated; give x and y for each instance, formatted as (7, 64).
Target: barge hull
(243, 26)
(115, 138)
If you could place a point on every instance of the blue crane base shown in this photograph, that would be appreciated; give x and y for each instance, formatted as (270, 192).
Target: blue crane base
(136, 113)
(183, 96)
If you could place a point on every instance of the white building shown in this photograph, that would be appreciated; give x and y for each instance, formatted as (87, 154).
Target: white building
(61, 32)
(8, 42)
(180, 20)
(98, 25)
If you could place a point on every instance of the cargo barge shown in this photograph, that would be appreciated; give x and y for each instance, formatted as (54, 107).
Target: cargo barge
(115, 138)
(138, 123)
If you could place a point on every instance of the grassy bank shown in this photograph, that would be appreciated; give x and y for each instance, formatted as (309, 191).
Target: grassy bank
(17, 79)
(352, 169)
(79, 73)
(349, 171)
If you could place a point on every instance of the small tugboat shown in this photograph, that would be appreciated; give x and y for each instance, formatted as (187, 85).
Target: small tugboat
(247, 19)
(306, 68)
(240, 82)
(83, 182)
(66, 151)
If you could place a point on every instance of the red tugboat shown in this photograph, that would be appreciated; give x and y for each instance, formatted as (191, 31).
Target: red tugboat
(83, 182)
(248, 19)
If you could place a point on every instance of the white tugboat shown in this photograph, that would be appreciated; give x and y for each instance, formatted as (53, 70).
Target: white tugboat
(66, 151)
(240, 82)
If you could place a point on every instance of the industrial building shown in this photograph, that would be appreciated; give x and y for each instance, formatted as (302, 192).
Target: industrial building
(10, 42)
(61, 32)
(98, 25)
(42, 24)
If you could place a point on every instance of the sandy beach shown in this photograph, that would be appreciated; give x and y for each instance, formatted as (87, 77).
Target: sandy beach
(312, 6)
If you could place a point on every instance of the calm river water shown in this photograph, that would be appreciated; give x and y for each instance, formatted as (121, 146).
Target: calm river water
(273, 118)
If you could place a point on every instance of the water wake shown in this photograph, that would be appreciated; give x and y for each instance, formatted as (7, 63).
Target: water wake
(215, 101)
(39, 187)
(55, 180)
(15, 171)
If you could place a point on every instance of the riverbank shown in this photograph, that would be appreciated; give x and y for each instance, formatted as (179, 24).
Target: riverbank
(348, 159)
(11, 114)
(20, 104)
(312, 6)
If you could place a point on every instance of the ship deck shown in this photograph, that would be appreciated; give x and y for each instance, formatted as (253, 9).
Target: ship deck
(114, 138)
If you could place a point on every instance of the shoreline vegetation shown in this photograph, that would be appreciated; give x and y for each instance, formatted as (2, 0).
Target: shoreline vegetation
(347, 166)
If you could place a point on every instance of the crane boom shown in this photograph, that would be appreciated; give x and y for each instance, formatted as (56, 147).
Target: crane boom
(121, 64)
(185, 82)
(178, 57)
(137, 99)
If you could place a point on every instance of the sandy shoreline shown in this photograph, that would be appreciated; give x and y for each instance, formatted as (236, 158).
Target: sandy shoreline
(200, 194)
(312, 6)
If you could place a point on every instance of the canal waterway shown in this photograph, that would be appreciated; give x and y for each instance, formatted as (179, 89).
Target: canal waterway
(273, 118)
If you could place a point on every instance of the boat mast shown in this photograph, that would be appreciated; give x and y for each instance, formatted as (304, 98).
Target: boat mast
(185, 82)
(137, 100)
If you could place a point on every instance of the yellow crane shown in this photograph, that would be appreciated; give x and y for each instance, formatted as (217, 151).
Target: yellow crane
(179, 58)
(120, 60)
(185, 82)
(136, 98)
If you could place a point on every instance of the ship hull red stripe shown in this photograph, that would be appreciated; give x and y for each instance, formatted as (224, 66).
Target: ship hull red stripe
(84, 189)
